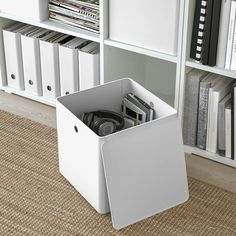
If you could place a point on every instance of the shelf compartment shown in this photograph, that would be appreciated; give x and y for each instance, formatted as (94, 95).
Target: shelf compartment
(210, 156)
(22, 93)
(216, 70)
(141, 50)
(59, 27)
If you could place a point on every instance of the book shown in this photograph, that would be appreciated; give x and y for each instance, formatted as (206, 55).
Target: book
(198, 30)
(221, 123)
(74, 22)
(223, 33)
(233, 121)
(233, 55)
(215, 24)
(216, 93)
(228, 131)
(207, 33)
(193, 79)
(230, 35)
(205, 85)
(75, 8)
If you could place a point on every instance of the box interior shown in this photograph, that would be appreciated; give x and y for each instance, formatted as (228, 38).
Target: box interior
(109, 97)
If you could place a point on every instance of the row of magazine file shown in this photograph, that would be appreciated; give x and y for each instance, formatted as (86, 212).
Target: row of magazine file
(47, 63)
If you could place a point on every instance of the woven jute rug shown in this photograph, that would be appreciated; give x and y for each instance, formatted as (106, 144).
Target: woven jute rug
(36, 200)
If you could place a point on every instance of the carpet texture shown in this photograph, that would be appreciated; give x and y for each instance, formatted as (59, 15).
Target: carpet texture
(36, 200)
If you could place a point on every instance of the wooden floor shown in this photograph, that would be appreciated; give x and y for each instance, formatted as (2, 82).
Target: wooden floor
(197, 167)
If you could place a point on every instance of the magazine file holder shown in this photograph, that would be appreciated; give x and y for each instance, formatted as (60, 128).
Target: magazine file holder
(134, 173)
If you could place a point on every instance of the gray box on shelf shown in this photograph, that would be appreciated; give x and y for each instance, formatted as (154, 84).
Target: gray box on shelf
(136, 172)
(30, 9)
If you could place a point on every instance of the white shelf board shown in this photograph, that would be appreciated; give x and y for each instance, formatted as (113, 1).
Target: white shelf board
(216, 70)
(28, 95)
(210, 156)
(141, 50)
(59, 27)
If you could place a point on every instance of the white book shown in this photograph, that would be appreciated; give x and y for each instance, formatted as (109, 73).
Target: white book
(228, 131)
(223, 32)
(230, 35)
(216, 93)
(211, 142)
(89, 72)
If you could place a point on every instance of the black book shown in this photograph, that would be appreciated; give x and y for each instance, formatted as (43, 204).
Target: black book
(207, 32)
(215, 25)
(233, 94)
(198, 30)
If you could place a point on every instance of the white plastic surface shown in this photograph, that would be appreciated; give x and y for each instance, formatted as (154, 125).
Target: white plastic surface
(145, 171)
(30, 9)
(148, 157)
(69, 70)
(49, 55)
(31, 65)
(13, 55)
(151, 24)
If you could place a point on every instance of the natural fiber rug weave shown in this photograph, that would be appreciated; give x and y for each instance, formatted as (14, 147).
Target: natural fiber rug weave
(36, 200)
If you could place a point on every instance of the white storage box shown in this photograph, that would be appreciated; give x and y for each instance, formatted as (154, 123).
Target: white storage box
(30, 9)
(151, 24)
(136, 172)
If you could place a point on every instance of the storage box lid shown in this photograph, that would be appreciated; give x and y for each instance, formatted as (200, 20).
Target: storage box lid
(145, 173)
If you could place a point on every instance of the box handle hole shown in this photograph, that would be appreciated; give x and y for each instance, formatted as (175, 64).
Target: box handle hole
(151, 104)
(49, 88)
(76, 129)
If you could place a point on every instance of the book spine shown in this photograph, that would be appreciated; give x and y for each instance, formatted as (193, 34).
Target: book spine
(221, 128)
(228, 132)
(203, 115)
(223, 33)
(195, 29)
(233, 56)
(207, 33)
(214, 33)
(191, 108)
(198, 30)
(230, 35)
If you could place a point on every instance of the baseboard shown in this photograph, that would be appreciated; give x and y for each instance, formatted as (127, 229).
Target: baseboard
(211, 172)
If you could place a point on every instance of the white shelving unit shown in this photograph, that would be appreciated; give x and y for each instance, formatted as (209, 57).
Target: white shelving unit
(156, 71)
(160, 73)
(188, 64)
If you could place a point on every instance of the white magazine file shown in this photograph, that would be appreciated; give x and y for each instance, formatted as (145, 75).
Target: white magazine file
(49, 55)
(32, 64)
(134, 173)
(13, 56)
(69, 70)
(89, 64)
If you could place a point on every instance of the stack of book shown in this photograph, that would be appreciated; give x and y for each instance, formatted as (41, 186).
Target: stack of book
(210, 113)
(80, 13)
(214, 33)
